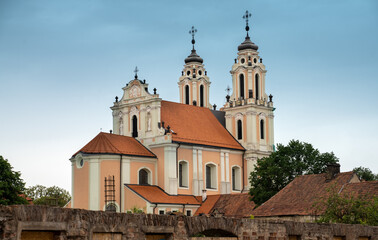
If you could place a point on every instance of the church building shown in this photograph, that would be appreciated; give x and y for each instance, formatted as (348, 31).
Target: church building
(165, 156)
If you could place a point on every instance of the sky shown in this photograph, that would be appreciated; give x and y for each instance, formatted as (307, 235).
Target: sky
(63, 62)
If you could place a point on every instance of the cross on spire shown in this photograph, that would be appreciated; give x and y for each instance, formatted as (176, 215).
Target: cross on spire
(136, 72)
(228, 89)
(193, 32)
(246, 16)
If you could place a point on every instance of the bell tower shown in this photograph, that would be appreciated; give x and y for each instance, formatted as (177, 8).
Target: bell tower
(194, 84)
(249, 110)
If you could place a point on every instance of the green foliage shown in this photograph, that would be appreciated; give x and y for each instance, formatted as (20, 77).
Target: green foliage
(52, 196)
(11, 185)
(135, 209)
(276, 171)
(365, 174)
(348, 208)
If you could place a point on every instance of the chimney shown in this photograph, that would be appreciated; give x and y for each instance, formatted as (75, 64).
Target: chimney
(332, 170)
(204, 196)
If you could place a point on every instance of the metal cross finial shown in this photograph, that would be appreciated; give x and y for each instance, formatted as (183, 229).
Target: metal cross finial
(228, 89)
(136, 72)
(246, 16)
(193, 32)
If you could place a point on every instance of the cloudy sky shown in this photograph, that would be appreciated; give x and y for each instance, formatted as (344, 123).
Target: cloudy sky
(63, 62)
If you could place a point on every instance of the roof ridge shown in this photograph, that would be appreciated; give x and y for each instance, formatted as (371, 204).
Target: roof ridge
(110, 142)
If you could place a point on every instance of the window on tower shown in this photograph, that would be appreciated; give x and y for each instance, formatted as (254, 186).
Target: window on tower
(187, 101)
(201, 96)
(240, 129)
(241, 85)
(257, 90)
(262, 128)
(135, 127)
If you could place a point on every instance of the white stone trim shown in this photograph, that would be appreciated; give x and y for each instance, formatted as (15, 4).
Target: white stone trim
(94, 184)
(149, 180)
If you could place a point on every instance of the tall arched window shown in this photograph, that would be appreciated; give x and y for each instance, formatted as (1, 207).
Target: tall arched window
(262, 128)
(211, 176)
(241, 85)
(201, 96)
(144, 177)
(183, 174)
(135, 126)
(187, 95)
(257, 86)
(236, 186)
(240, 129)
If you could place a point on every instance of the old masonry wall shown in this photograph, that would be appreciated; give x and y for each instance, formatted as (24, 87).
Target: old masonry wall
(40, 222)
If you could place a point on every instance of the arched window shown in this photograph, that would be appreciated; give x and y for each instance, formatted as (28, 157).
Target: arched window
(144, 177)
(183, 174)
(111, 207)
(201, 96)
(262, 129)
(241, 85)
(187, 95)
(240, 129)
(211, 176)
(257, 90)
(135, 126)
(236, 178)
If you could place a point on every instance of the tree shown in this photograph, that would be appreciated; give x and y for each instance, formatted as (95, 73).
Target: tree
(11, 185)
(348, 208)
(365, 174)
(273, 173)
(52, 196)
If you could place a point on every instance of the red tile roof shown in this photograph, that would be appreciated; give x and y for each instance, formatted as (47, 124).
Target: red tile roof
(298, 197)
(155, 194)
(196, 125)
(368, 189)
(115, 144)
(229, 205)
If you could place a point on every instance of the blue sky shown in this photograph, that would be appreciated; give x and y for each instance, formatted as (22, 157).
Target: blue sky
(63, 62)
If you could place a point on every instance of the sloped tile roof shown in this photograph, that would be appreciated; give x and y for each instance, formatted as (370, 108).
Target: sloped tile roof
(196, 125)
(230, 205)
(368, 189)
(155, 194)
(107, 143)
(298, 197)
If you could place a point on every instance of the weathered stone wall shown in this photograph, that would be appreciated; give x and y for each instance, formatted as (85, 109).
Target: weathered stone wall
(78, 224)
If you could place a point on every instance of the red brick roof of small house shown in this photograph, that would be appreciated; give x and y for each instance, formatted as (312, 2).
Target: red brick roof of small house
(229, 205)
(155, 194)
(367, 189)
(196, 125)
(299, 196)
(107, 143)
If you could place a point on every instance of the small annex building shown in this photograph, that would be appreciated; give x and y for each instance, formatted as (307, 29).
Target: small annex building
(296, 200)
(163, 156)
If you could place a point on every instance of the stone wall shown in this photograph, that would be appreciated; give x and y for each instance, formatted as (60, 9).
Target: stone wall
(19, 222)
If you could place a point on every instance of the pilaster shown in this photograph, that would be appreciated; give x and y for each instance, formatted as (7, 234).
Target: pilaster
(94, 184)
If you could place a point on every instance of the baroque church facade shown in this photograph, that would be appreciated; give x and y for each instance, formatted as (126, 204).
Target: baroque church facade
(164, 156)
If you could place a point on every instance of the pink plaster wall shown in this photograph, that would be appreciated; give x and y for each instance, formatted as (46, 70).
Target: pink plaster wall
(109, 168)
(133, 200)
(214, 157)
(159, 152)
(134, 171)
(81, 186)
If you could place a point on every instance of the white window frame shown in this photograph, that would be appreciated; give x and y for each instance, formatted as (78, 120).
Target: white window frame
(238, 181)
(149, 176)
(214, 179)
(186, 178)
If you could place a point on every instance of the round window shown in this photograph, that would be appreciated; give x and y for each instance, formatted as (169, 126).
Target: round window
(188, 73)
(242, 60)
(255, 60)
(200, 72)
(81, 162)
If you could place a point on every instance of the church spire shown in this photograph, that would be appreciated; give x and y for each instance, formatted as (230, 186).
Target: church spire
(247, 44)
(193, 32)
(246, 16)
(193, 57)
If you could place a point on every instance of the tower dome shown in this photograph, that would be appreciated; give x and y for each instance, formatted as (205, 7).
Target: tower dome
(247, 44)
(193, 57)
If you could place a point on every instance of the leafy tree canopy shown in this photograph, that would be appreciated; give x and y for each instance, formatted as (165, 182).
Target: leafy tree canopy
(52, 196)
(365, 174)
(273, 173)
(11, 185)
(348, 208)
